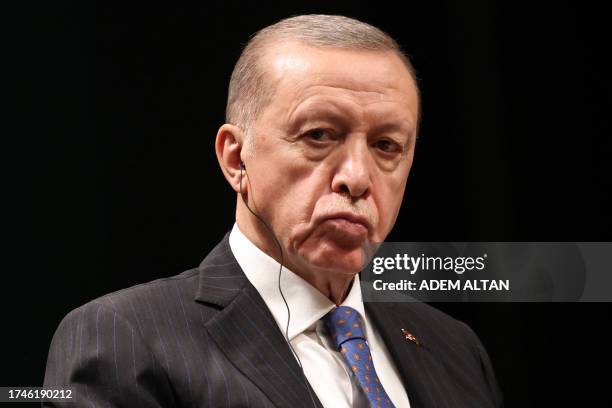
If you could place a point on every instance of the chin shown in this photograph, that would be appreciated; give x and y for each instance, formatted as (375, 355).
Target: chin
(337, 260)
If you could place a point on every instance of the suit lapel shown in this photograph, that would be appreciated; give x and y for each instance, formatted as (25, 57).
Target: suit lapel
(246, 332)
(415, 363)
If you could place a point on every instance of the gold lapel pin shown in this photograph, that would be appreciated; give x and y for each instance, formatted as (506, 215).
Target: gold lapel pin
(410, 337)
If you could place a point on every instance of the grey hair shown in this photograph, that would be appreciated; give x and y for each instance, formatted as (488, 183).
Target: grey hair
(250, 91)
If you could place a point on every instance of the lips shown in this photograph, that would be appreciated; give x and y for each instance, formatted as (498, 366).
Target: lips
(350, 225)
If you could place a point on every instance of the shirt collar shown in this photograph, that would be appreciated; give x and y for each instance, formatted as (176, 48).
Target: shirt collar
(306, 303)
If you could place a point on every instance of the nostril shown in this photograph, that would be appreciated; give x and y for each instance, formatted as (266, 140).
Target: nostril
(344, 189)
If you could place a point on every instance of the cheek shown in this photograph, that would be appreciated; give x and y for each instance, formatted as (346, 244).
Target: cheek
(388, 202)
(295, 194)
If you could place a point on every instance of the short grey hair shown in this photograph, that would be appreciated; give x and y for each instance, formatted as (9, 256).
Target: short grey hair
(250, 90)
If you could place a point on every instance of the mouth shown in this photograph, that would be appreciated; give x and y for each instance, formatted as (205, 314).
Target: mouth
(349, 224)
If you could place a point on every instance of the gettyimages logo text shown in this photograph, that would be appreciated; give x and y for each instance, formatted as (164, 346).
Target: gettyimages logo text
(413, 264)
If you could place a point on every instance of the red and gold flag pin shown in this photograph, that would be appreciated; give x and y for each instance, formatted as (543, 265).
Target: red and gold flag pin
(410, 337)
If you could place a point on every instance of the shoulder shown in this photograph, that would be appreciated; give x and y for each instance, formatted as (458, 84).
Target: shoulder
(126, 303)
(438, 331)
(156, 304)
(167, 290)
(454, 342)
(143, 315)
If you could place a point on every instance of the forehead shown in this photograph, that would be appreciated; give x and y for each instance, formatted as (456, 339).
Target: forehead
(376, 81)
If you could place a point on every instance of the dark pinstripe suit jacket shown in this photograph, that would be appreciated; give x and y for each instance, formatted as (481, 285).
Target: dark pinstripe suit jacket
(205, 338)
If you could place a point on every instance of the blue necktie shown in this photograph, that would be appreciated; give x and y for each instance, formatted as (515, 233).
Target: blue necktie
(344, 326)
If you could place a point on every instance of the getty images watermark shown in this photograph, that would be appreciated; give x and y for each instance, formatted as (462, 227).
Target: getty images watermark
(488, 271)
(412, 264)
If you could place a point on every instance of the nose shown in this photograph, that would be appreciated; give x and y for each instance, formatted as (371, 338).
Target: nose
(353, 174)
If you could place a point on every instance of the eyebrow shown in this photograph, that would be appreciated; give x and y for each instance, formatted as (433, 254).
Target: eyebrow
(333, 112)
(319, 111)
(397, 127)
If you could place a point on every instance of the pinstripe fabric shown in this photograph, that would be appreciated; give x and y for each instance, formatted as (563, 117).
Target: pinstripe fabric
(205, 338)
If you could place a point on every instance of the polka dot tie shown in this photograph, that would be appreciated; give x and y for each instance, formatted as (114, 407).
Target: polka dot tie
(344, 326)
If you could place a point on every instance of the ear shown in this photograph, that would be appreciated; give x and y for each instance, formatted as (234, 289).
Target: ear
(228, 146)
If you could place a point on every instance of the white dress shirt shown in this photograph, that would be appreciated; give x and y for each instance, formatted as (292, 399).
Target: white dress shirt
(324, 367)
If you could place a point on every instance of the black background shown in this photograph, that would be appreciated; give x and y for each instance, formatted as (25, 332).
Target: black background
(113, 181)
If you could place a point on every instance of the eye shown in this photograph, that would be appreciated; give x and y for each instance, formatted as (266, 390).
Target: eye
(319, 135)
(387, 146)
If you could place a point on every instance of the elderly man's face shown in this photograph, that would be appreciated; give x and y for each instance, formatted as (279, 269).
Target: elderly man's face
(332, 152)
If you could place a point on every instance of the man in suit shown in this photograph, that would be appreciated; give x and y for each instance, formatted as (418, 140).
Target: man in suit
(322, 119)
